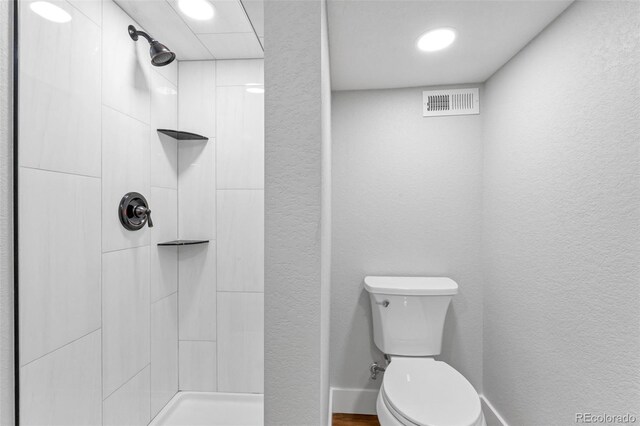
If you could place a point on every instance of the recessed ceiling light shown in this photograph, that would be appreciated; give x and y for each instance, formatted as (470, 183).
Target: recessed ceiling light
(50, 11)
(200, 10)
(436, 39)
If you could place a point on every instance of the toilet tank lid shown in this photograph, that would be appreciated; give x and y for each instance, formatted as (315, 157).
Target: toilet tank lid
(411, 286)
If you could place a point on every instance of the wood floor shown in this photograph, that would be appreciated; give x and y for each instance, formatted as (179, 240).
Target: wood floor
(354, 420)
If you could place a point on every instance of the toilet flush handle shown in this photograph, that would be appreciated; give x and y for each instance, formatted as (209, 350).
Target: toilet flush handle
(384, 303)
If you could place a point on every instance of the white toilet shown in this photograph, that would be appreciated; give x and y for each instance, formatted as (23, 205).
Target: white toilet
(408, 319)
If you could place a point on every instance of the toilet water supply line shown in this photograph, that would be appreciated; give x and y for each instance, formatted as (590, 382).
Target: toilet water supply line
(375, 368)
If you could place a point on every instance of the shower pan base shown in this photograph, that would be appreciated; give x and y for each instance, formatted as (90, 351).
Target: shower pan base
(212, 409)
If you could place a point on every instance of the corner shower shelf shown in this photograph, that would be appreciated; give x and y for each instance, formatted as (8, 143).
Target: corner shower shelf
(183, 136)
(183, 242)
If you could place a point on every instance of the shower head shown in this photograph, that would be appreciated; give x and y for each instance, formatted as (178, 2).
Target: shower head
(160, 54)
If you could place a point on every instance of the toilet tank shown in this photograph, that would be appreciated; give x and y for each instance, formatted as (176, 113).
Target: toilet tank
(408, 313)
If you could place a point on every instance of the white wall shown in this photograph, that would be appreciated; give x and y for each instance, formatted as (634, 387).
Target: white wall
(293, 214)
(221, 198)
(406, 201)
(98, 318)
(6, 214)
(562, 234)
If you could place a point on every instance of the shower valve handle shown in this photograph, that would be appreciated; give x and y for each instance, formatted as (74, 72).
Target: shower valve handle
(142, 212)
(134, 211)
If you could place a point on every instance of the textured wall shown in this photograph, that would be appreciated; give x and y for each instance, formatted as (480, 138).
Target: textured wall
(6, 209)
(562, 234)
(406, 201)
(293, 180)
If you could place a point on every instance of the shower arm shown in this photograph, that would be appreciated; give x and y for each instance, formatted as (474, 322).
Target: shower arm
(160, 54)
(133, 33)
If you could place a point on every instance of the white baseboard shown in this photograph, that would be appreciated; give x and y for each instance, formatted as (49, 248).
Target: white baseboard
(353, 401)
(491, 415)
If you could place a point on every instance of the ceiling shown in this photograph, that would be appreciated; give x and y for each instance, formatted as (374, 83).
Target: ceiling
(236, 30)
(373, 42)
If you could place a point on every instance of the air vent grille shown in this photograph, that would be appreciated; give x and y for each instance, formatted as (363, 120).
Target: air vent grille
(450, 102)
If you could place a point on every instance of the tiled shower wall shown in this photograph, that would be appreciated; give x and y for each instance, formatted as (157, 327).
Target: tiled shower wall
(98, 304)
(221, 198)
(101, 310)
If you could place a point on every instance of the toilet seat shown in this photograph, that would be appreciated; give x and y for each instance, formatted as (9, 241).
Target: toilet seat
(426, 392)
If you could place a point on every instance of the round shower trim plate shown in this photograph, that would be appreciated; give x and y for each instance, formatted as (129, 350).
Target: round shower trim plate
(133, 33)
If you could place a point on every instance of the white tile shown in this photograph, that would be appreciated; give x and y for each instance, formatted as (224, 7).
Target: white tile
(125, 65)
(197, 366)
(169, 72)
(164, 149)
(232, 45)
(164, 352)
(63, 387)
(240, 342)
(240, 72)
(196, 190)
(164, 271)
(125, 315)
(91, 8)
(197, 289)
(129, 405)
(240, 240)
(197, 97)
(163, 203)
(229, 17)
(125, 168)
(240, 139)
(60, 93)
(60, 225)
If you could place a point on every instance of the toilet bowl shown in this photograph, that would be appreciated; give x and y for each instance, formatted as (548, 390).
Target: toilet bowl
(408, 320)
(426, 392)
